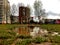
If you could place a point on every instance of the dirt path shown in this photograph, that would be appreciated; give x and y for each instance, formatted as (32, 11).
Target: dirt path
(46, 43)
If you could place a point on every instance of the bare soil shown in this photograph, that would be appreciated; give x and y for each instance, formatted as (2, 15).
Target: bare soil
(46, 43)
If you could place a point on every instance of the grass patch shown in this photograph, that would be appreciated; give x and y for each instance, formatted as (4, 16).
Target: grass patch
(7, 41)
(23, 42)
(8, 26)
(39, 39)
(51, 27)
(55, 39)
(6, 32)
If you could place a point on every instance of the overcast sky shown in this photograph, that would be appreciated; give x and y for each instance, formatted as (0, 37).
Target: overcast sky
(49, 5)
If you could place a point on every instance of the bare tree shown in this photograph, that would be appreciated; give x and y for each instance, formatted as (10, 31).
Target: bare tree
(43, 13)
(20, 4)
(14, 9)
(37, 8)
(29, 8)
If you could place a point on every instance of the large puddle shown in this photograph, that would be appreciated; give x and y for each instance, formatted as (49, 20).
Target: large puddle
(33, 31)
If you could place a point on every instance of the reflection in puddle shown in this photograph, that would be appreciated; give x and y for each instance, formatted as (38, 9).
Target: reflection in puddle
(24, 31)
(30, 30)
(33, 31)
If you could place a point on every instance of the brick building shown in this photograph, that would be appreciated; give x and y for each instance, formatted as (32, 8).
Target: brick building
(24, 14)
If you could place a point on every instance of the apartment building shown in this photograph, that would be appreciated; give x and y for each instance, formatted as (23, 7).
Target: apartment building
(4, 11)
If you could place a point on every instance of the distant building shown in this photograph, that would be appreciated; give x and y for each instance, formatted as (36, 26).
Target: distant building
(53, 19)
(14, 19)
(4, 10)
(24, 14)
